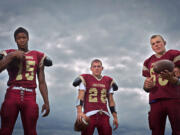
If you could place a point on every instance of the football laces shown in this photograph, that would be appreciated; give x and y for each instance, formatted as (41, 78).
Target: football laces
(84, 121)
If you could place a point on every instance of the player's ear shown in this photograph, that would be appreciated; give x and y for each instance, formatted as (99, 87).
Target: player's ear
(164, 42)
(91, 68)
(15, 40)
(102, 68)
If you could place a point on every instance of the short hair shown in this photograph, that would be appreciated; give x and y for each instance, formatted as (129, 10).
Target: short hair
(154, 36)
(96, 60)
(20, 30)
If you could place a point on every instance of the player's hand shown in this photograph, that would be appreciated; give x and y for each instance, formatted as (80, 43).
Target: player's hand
(148, 83)
(170, 76)
(166, 75)
(115, 123)
(79, 116)
(45, 108)
(19, 55)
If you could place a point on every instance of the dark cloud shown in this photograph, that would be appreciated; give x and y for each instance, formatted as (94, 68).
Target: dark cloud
(72, 33)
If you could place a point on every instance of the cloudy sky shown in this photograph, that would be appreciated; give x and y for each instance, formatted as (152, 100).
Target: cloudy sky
(72, 33)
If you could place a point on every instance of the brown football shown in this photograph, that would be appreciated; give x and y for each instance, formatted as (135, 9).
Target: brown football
(162, 65)
(81, 125)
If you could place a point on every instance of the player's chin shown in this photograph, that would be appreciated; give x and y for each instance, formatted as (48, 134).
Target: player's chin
(22, 45)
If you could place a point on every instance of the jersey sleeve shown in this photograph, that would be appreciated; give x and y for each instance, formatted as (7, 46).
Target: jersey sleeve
(82, 77)
(111, 83)
(176, 59)
(145, 70)
(5, 52)
(41, 57)
(111, 91)
(81, 87)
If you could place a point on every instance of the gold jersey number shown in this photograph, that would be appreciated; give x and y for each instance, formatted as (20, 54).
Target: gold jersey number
(161, 81)
(29, 75)
(93, 95)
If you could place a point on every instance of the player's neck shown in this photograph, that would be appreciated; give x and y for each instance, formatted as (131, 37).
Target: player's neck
(158, 55)
(23, 49)
(98, 76)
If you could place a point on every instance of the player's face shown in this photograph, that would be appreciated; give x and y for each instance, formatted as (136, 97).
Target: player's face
(158, 45)
(96, 69)
(22, 41)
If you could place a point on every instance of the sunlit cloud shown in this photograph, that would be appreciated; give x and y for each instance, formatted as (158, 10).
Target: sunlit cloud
(79, 38)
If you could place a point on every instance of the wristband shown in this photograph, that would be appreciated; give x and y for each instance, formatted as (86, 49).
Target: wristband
(79, 102)
(112, 109)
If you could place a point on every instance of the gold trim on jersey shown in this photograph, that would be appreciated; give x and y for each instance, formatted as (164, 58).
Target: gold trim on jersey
(4, 53)
(177, 58)
(41, 62)
(83, 81)
(29, 57)
(145, 68)
(99, 79)
(99, 85)
(111, 83)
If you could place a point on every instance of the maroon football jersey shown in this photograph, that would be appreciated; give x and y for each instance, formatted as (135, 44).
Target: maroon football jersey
(97, 91)
(162, 89)
(23, 73)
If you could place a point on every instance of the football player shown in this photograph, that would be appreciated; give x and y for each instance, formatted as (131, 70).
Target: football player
(95, 91)
(164, 94)
(23, 65)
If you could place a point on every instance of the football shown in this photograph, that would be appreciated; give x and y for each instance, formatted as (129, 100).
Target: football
(162, 65)
(81, 125)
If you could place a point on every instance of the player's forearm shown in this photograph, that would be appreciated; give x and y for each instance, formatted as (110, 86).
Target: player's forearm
(79, 109)
(146, 89)
(111, 103)
(5, 61)
(42, 85)
(111, 100)
(44, 92)
(80, 101)
(114, 114)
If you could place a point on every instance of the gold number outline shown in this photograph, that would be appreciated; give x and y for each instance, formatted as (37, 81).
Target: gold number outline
(29, 75)
(93, 93)
(162, 82)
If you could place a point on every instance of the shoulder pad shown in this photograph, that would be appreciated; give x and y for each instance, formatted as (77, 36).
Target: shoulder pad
(114, 86)
(77, 82)
(47, 62)
(1, 56)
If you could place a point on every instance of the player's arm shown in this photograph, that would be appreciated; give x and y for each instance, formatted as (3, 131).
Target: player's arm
(148, 84)
(80, 99)
(43, 90)
(6, 60)
(113, 110)
(80, 103)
